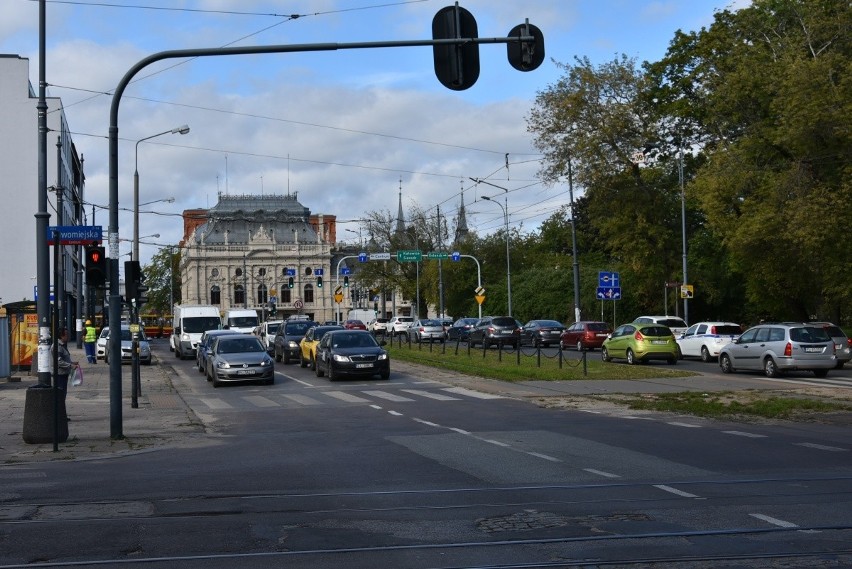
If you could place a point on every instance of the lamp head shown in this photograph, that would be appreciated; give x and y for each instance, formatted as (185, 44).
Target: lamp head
(486, 198)
(181, 129)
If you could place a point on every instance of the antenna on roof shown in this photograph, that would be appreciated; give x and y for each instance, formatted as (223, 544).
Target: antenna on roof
(288, 174)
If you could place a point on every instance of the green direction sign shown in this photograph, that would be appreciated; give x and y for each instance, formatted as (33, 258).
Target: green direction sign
(409, 256)
(437, 255)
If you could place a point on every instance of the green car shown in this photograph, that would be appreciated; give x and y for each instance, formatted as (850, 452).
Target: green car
(640, 343)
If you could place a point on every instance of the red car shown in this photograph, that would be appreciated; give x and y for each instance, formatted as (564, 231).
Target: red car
(584, 335)
(354, 325)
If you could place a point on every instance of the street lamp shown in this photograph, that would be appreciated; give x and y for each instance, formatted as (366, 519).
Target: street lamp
(178, 130)
(508, 270)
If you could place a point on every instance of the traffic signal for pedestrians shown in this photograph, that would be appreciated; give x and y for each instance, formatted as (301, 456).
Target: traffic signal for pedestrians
(96, 266)
(319, 282)
(456, 65)
(290, 282)
(346, 280)
(141, 289)
(134, 283)
(524, 56)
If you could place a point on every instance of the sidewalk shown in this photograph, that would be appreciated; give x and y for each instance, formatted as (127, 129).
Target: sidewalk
(161, 419)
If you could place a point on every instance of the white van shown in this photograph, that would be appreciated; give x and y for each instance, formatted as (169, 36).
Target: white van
(190, 321)
(242, 320)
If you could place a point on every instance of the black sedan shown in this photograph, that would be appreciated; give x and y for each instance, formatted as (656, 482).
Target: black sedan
(542, 332)
(239, 357)
(351, 352)
(460, 329)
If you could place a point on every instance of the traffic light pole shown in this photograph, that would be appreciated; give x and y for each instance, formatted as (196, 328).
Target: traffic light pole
(526, 43)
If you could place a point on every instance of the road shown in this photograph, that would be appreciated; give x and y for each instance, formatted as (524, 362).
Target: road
(415, 473)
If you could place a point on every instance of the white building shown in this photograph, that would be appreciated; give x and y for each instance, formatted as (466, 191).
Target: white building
(248, 249)
(19, 189)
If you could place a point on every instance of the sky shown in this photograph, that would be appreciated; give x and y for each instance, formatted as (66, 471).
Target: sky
(346, 130)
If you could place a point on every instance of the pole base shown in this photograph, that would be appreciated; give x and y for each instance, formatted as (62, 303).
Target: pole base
(39, 416)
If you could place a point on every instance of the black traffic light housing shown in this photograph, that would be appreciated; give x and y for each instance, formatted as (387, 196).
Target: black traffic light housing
(96, 266)
(525, 56)
(134, 283)
(456, 65)
(273, 310)
(319, 282)
(346, 280)
(290, 282)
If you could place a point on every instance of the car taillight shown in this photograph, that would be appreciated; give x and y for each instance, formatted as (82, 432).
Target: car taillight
(638, 336)
(849, 342)
(712, 329)
(788, 349)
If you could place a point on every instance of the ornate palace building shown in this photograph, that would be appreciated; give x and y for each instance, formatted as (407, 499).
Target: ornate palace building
(248, 251)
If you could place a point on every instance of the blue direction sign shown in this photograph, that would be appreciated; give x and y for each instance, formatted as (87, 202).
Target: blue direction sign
(455, 256)
(291, 272)
(318, 272)
(608, 293)
(608, 279)
(362, 257)
(345, 271)
(75, 234)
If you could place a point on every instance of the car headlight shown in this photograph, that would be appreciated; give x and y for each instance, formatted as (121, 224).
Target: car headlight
(293, 344)
(223, 365)
(266, 362)
(383, 356)
(184, 337)
(341, 358)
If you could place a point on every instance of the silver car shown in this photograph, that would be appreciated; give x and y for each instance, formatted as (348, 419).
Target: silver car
(427, 330)
(127, 346)
(777, 348)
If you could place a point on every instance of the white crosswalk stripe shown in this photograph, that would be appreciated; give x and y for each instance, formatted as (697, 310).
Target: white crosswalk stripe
(388, 396)
(302, 399)
(261, 401)
(431, 395)
(343, 396)
(472, 393)
(216, 403)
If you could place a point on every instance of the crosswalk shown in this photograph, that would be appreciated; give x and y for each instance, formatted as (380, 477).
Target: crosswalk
(336, 397)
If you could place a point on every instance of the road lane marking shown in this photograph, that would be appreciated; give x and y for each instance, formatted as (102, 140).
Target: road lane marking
(821, 447)
(544, 456)
(388, 396)
(395, 413)
(493, 442)
(460, 431)
(430, 395)
(377, 407)
(745, 434)
(774, 521)
(261, 401)
(302, 399)
(215, 403)
(348, 397)
(428, 423)
(665, 488)
(472, 393)
(688, 425)
(601, 473)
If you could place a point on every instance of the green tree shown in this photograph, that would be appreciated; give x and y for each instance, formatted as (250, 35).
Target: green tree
(162, 275)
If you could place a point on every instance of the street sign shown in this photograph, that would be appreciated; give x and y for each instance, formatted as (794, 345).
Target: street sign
(380, 256)
(291, 272)
(480, 298)
(318, 272)
(345, 271)
(76, 234)
(479, 291)
(362, 257)
(686, 291)
(273, 298)
(608, 279)
(338, 289)
(338, 297)
(456, 256)
(608, 293)
(35, 293)
(409, 256)
(437, 255)
(298, 304)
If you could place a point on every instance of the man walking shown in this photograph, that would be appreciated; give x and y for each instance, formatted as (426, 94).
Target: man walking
(90, 340)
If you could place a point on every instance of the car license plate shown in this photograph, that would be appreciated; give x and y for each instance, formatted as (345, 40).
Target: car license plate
(245, 372)
(362, 366)
(659, 342)
(813, 350)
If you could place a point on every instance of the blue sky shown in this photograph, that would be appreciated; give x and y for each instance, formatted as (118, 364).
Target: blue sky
(345, 129)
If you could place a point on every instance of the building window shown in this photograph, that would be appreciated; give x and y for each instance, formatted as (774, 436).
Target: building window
(308, 271)
(239, 294)
(309, 293)
(238, 272)
(261, 271)
(214, 273)
(215, 294)
(285, 296)
(262, 294)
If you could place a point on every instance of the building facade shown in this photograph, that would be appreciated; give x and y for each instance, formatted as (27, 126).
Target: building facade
(249, 251)
(19, 161)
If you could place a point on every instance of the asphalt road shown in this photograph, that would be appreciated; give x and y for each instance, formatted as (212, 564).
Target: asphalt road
(416, 473)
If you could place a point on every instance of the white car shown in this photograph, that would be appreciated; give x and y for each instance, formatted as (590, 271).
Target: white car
(399, 325)
(100, 345)
(378, 325)
(266, 333)
(706, 339)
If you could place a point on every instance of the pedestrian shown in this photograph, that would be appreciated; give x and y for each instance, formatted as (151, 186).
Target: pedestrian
(64, 364)
(90, 341)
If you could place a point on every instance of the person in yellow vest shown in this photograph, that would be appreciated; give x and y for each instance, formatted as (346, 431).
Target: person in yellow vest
(90, 340)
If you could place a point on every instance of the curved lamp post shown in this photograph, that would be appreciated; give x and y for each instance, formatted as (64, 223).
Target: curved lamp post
(508, 270)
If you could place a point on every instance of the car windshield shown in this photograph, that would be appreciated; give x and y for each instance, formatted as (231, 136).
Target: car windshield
(673, 322)
(728, 329)
(466, 322)
(320, 332)
(243, 321)
(549, 323)
(809, 334)
(353, 341)
(239, 345)
(298, 328)
(598, 326)
(655, 331)
(431, 323)
(510, 322)
(200, 324)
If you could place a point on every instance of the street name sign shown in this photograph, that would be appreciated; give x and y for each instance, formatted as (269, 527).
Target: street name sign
(76, 234)
(437, 255)
(380, 256)
(409, 256)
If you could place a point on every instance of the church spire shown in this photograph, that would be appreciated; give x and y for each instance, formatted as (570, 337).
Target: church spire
(400, 217)
(461, 221)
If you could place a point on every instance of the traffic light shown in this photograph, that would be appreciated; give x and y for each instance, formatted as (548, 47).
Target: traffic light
(523, 56)
(96, 266)
(141, 289)
(290, 282)
(346, 280)
(273, 310)
(134, 283)
(456, 65)
(319, 282)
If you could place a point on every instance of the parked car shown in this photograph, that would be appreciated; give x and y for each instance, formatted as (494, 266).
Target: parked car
(399, 325)
(640, 342)
(308, 345)
(266, 333)
(673, 323)
(239, 357)
(378, 325)
(427, 329)
(706, 339)
(461, 329)
(584, 335)
(494, 331)
(351, 352)
(541, 332)
(287, 338)
(777, 348)
(100, 345)
(842, 343)
(354, 325)
(127, 346)
(204, 345)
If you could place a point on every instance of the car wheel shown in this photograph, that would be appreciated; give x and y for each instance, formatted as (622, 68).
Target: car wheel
(331, 375)
(286, 358)
(313, 364)
(302, 361)
(217, 383)
(820, 372)
(769, 367)
(317, 370)
(725, 363)
(277, 357)
(705, 355)
(605, 354)
(580, 347)
(385, 374)
(672, 361)
(631, 357)
(839, 365)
